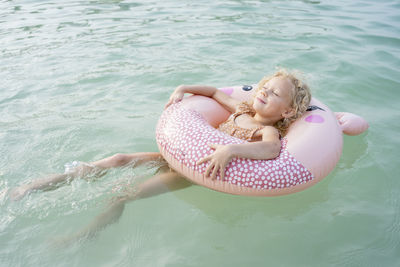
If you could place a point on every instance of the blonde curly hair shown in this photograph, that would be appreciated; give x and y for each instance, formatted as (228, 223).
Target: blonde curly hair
(301, 97)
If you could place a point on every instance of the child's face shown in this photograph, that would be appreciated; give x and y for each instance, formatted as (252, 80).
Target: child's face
(273, 100)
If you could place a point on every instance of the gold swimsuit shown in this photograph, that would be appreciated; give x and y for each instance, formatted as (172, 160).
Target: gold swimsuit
(230, 127)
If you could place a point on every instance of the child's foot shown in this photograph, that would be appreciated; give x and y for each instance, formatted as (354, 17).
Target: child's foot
(19, 192)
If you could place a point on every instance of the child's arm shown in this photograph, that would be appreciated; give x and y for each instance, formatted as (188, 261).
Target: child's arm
(268, 148)
(228, 102)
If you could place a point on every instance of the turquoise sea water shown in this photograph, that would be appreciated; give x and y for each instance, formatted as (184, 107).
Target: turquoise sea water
(83, 80)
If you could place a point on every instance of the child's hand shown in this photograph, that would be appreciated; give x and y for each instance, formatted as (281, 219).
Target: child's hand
(176, 96)
(219, 159)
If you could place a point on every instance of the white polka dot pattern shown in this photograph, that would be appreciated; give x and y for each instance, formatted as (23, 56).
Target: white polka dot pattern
(185, 135)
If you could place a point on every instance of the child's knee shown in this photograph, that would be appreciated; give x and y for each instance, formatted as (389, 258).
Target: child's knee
(83, 169)
(120, 159)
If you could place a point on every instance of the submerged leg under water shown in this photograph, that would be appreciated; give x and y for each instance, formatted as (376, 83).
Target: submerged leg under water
(82, 169)
(165, 180)
(156, 185)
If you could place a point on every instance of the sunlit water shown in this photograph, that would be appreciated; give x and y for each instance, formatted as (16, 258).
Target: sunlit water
(83, 80)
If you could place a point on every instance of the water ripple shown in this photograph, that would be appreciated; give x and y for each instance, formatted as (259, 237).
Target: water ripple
(82, 80)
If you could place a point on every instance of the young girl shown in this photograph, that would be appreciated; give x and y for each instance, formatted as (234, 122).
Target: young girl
(280, 99)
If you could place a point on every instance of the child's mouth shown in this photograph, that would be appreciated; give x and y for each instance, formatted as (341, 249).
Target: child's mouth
(262, 101)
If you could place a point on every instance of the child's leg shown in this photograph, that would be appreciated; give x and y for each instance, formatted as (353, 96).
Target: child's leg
(158, 184)
(82, 170)
(119, 160)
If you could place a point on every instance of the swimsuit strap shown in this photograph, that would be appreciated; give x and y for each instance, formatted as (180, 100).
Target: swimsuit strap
(243, 108)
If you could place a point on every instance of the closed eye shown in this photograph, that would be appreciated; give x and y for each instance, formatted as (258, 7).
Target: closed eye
(273, 91)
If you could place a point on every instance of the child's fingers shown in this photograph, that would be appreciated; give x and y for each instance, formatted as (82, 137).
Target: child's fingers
(172, 101)
(214, 173)
(213, 146)
(207, 158)
(222, 172)
(168, 103)
(209, 168)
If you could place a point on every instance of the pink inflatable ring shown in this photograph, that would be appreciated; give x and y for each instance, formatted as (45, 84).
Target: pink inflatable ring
(309, 151)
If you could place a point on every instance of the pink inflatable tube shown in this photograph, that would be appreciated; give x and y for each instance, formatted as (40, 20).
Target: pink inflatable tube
(310, 150)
